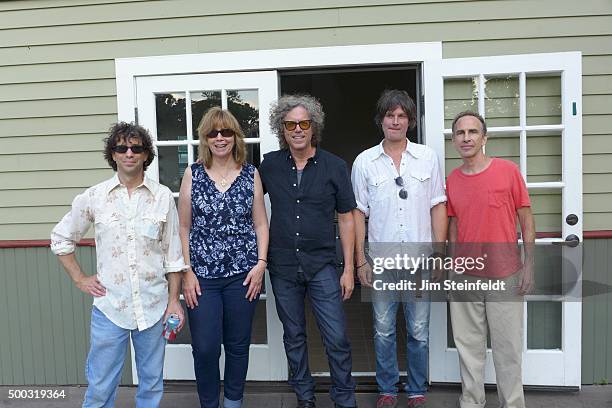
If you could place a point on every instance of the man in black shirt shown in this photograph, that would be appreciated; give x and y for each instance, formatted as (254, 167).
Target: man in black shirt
(307, 186)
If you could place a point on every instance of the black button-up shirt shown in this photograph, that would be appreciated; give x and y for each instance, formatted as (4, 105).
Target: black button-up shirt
(302, 230)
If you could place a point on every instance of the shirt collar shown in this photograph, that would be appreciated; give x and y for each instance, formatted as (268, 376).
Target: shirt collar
(287, 154)
(414, 149)
(147, 182)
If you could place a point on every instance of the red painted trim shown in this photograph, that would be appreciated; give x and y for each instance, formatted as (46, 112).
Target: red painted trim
(597, 234)
(32, 243)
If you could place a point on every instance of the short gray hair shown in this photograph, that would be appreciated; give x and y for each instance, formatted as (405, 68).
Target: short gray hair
(463, 114)
(285, 104)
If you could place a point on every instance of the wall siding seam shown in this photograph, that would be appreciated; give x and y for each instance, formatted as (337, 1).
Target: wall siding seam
(305, 28)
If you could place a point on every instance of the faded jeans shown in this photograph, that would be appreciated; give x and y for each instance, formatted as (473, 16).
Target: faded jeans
(109, 344)
(416, 313)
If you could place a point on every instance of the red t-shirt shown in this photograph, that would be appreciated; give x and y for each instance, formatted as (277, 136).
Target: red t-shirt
(485, 205)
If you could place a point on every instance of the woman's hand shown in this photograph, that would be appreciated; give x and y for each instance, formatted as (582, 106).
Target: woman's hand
(254, 279)
(191, 288)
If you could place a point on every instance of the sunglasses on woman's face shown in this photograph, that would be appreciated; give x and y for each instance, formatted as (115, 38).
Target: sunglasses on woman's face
(291, 125)
(224, 132)
(136, 149)
(403, 194)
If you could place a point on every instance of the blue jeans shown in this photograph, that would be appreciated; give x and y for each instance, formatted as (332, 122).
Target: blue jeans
(223, 315)
(109, 344)
(416, 313)
(325, 297)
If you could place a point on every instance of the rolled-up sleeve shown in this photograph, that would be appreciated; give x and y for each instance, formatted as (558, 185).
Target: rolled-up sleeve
(171, 242)
(437, 187)
(360, 186)
(69, 231)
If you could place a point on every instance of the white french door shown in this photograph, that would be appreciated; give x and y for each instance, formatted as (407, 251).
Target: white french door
(532, 104)
(171, 106)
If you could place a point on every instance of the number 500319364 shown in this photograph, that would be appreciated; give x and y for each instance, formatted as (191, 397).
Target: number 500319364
(30, 393)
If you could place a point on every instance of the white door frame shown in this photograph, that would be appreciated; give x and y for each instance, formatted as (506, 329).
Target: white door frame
(428, 54)
(265, 363)
(540, 367)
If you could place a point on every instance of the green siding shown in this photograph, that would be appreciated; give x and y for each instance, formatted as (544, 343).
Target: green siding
(57, 89)
(46, 319)
(597, 312)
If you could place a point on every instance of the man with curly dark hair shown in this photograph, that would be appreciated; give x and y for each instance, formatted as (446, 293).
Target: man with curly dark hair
(307, 187)
(136, 287)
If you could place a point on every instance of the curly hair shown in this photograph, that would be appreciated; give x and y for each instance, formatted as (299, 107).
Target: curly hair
(217, 118)
(391, 99)
(285, 104)
(124, 131)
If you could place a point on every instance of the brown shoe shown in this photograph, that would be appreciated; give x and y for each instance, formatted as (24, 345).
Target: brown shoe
(386, 401)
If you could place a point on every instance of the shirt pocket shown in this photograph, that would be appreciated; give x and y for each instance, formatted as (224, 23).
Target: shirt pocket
(497, 198)
(418, 184)
(151, 226)
(380, 189)
(106, 223)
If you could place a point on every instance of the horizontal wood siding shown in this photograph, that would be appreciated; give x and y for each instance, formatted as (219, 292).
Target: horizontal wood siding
(57, 88)
(45, 318)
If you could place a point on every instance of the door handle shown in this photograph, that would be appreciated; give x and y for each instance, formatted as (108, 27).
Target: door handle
(571, 241)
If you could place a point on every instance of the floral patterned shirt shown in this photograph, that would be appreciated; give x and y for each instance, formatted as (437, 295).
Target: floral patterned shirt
(222, 240)
(137, 243)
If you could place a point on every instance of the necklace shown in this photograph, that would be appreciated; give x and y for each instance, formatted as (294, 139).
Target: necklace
(223, 182)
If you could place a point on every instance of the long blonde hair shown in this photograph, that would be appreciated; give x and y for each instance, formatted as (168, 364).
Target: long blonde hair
(217, 118)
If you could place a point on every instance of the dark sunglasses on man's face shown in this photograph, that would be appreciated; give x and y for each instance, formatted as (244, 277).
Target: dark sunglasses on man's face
(136, 149)
(224, 132)
(291, 125)
(403, 194)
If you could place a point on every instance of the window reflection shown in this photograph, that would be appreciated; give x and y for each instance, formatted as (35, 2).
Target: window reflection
(202, 101)
(170, 114)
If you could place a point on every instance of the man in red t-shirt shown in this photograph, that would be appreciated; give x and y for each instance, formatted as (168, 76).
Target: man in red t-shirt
(485, 196)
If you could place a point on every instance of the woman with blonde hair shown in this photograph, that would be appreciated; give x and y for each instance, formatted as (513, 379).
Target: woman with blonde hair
(224, 234)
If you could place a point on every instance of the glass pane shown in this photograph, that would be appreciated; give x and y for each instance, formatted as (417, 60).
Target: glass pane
(172, 164)
(544, 157)
(546, 206)
(253, 154)
(259, 334)
(170, 114)
(504, 145)
(244, 105)
(543, 100)
(460, 94)
(544, 320)
(201, 102)
(502, 101)
(549, 270)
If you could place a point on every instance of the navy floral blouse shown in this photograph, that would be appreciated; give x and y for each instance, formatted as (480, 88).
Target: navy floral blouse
(222, 240)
